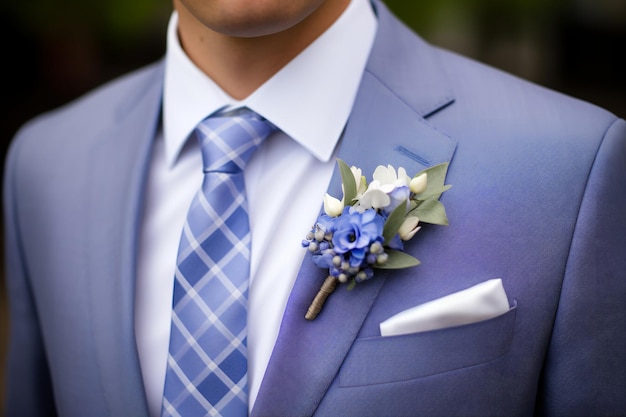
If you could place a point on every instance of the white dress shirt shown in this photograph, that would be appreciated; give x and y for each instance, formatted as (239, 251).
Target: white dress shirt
(309, 100)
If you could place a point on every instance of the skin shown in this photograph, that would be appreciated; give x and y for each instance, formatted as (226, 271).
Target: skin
(240, 44)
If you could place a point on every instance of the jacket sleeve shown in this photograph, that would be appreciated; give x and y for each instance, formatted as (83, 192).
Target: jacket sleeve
(585, 367)
(28, 385)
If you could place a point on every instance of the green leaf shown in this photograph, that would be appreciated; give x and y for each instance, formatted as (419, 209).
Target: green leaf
(349, 184)
(434, 192)
(398, 260)
(431, 211)
(394, 221)
(436, 181)
(351, 285)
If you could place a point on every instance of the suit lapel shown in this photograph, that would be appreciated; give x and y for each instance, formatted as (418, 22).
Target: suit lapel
(114, 210)
(387, 126)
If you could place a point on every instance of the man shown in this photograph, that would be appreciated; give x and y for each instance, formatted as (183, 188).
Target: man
(96, 195)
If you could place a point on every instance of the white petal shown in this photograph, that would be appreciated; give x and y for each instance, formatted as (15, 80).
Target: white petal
(356, 172)
(386, 175)
(332, 206)
(408, 228)
(403, 178)
(374, 198)
(412, 233)
(361, 184)
(374, 185)
(419, 183)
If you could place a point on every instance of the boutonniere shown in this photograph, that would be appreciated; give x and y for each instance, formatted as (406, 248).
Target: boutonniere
(365, 230)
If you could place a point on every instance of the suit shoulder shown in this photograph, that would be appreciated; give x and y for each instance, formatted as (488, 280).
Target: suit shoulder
(67, 130)
(97, 108)
(495, 95)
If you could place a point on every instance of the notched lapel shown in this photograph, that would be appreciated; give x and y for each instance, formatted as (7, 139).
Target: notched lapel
(118, 164)
(308, 355)
(384, 128)
(387, 126)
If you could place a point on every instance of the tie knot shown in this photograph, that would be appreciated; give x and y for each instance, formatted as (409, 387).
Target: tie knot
(228, 142)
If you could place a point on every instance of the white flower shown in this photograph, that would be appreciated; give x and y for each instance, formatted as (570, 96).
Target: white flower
(388, 180)
(359, 179)
(332, 206)
(409, 228)
(373, 198)
(419, 183)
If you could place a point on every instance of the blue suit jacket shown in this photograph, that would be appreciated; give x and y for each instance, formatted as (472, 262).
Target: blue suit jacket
(538, 199)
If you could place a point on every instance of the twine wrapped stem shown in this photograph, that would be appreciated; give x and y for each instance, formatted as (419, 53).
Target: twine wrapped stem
(330, 283)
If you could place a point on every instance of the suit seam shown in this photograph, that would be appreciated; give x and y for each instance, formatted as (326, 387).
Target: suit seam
(432, 375)
(580, 203)
(540, 381)
(11, 168)
(575, 228)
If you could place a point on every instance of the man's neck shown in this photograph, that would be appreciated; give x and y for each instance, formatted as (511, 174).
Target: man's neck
(239, 65)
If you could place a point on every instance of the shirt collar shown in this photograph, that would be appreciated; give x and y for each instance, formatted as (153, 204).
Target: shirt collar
(309, 99)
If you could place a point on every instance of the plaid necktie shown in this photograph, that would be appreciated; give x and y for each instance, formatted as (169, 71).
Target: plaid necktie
(207, 364)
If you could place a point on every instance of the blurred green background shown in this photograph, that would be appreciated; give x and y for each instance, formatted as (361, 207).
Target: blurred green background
(58, 49)
(55, 50)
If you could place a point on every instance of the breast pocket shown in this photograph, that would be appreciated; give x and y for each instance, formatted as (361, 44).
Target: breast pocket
(379, 360)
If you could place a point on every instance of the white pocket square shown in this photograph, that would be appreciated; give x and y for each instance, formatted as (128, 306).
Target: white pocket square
(480, 302)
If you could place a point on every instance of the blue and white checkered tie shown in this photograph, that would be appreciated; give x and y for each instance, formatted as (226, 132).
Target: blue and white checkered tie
(207, 365)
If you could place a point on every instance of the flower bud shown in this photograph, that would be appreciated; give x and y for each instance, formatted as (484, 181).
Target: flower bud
(359, 179)
(332, 206)
(376, 248)
(408, 228)
(419, 183)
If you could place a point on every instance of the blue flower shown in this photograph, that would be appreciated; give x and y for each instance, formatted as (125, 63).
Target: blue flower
(347, 238)
(323, 259)
(354, 232)
(326, 223)
(398, 195)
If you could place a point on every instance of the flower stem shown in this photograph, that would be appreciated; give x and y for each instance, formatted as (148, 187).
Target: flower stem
(330, 283)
